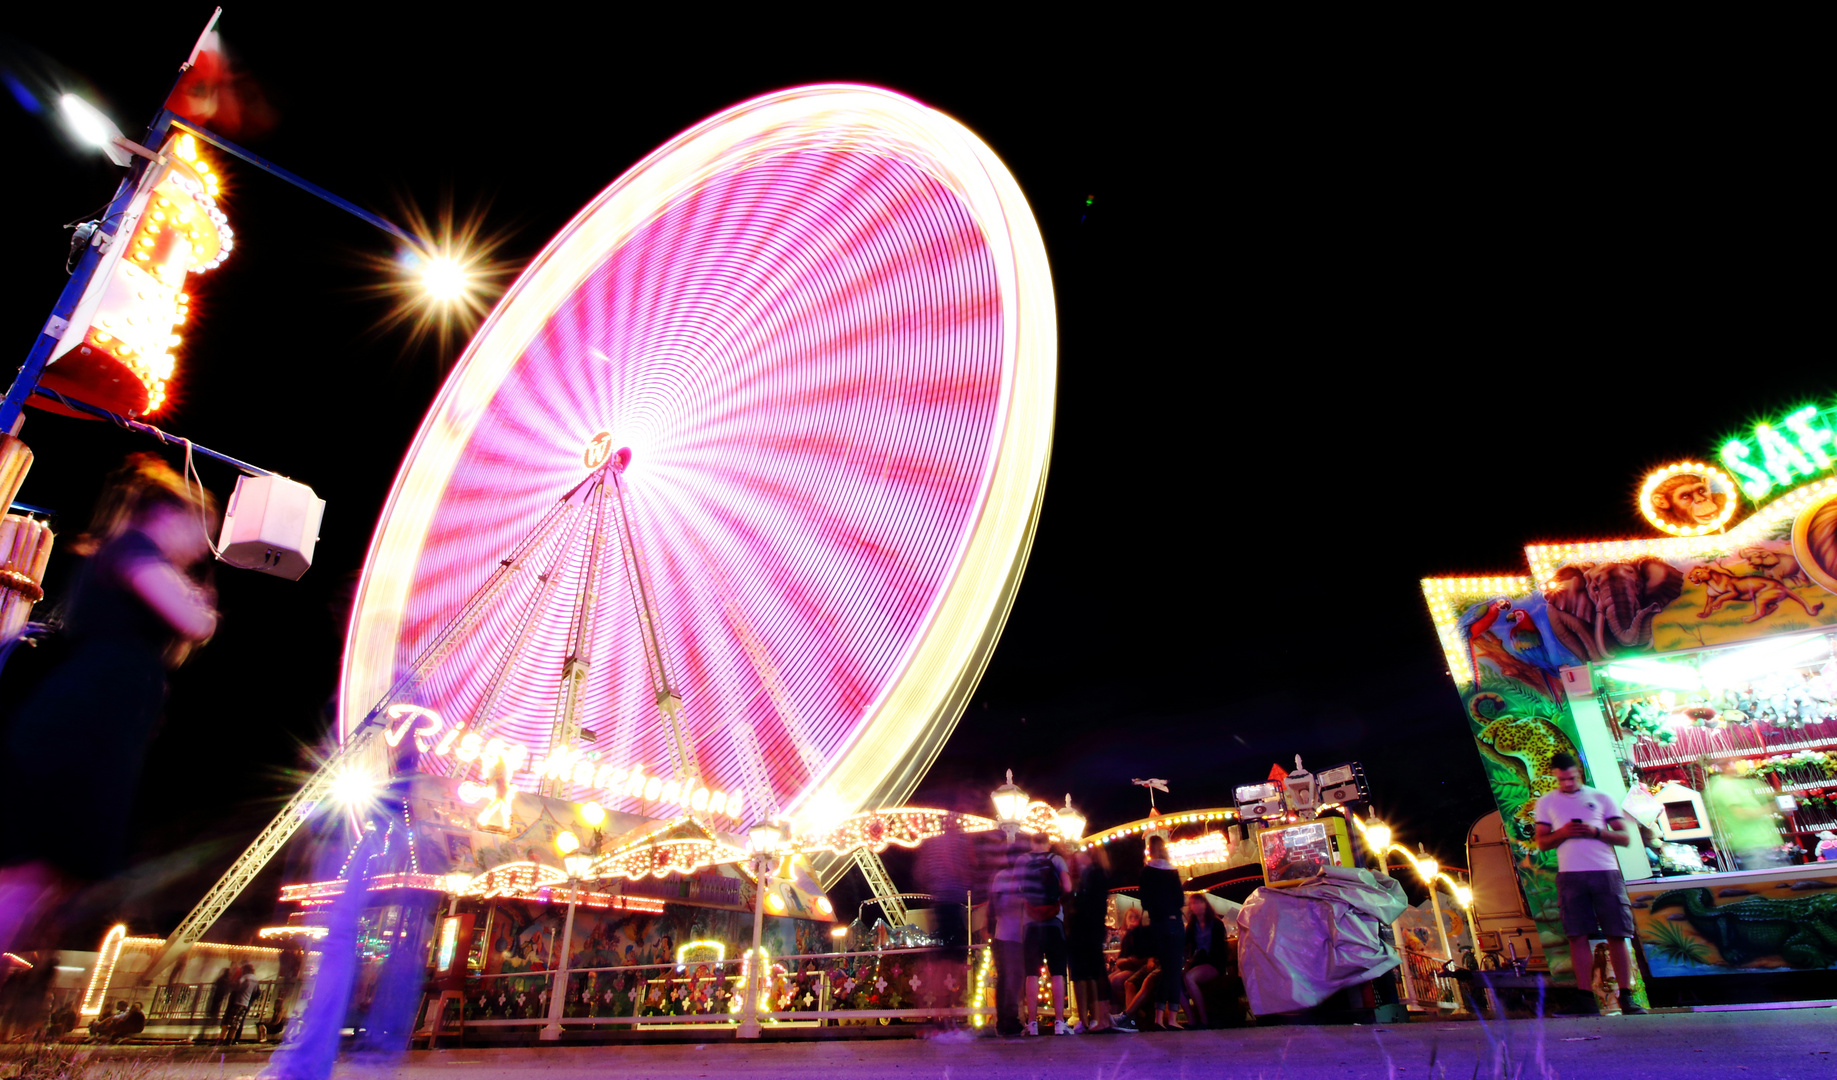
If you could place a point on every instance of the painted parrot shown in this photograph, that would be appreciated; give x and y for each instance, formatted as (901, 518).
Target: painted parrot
(1528, 642)
(1481, 628)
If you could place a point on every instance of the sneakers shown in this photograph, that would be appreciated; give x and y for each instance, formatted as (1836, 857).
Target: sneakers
(1059, 1028)
(1033, 1027)
(1590, 1006)
(1629, 1007)
(1079, 1028)
(1124, 1025)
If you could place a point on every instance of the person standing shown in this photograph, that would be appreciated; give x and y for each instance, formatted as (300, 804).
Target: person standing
(242, 994)
(1085, 931)
(1047, 881)
(219, 995)
(1008, 907)
(287, 983)
(1162, 901)
(1584, 826)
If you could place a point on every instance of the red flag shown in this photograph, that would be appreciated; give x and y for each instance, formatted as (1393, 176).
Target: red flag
(214, 94)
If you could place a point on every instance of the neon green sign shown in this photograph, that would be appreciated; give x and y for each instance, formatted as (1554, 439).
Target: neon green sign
(1798, 449)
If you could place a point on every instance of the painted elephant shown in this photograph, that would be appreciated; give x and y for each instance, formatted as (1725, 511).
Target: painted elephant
(1600, 609)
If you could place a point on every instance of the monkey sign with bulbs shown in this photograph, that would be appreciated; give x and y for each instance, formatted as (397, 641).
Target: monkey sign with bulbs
(722, 510)
(1689, 498)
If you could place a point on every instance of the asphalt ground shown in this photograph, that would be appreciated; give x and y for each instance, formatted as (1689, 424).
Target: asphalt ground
(1787, 1044)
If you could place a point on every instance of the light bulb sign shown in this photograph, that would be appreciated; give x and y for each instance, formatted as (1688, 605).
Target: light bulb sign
(1779, 456)
(118, 348)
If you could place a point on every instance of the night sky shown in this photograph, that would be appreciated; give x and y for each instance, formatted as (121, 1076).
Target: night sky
(1331, 324)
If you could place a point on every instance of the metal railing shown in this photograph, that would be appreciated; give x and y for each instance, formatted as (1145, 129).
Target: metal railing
(816, 988)
(178, 1002)
(1423, 985)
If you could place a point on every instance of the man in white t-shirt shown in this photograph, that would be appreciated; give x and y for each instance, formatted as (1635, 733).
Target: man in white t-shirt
(1584, 826)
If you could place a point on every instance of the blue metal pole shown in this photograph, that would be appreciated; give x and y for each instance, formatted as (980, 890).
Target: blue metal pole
(303, 184)
(123, 422)
(12, 410)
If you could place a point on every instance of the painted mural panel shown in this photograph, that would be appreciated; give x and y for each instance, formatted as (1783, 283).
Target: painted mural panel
(1769, 922)
(1505, 654)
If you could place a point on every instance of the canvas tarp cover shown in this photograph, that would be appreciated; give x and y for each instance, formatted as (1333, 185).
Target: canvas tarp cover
(1300, 945)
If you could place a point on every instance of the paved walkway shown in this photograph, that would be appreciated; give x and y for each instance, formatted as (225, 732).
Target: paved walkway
(1761, 1045)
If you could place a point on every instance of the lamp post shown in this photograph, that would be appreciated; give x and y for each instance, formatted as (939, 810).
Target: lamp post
(577, 863)
(1427, 867)
(1010, 805)
(1071, 822)
(763, 838)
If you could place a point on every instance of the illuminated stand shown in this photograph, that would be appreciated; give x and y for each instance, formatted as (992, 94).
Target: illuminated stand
(1694, 675)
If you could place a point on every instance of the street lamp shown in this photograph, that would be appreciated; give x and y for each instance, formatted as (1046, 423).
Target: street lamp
(577, 863)
(1071, 822)
(92, 126)
(1010, 805)
(763, 840)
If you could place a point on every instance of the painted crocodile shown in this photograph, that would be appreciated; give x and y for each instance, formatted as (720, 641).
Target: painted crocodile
(1801, 931)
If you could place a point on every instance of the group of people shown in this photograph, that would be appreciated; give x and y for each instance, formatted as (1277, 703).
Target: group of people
(126, 1021)
(1051, 912)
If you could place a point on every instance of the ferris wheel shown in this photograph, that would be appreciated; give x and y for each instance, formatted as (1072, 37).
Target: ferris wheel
(724, 507)
(722, 510)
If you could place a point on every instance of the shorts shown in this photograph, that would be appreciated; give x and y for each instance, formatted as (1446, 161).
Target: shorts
(1594, 904)
(1044, 940)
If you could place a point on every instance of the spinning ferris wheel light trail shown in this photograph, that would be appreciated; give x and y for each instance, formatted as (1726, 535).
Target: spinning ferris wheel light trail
(822, 323)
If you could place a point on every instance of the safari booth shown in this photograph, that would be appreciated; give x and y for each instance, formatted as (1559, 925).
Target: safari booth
(1694, 674)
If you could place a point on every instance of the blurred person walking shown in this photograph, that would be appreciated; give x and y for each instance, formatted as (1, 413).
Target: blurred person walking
(1008, 907)
(1163, 900)
(1047, 882)
(1086, 928)
(944, 869)
(78, 735)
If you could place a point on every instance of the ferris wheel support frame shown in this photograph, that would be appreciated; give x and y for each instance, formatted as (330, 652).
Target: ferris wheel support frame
(579, 661)
(656, 660)
(318, 786)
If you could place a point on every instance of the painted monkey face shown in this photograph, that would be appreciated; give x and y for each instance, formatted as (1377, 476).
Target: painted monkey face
(1696, 501)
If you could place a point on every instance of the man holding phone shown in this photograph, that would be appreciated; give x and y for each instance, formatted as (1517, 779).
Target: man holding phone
(1584, 826)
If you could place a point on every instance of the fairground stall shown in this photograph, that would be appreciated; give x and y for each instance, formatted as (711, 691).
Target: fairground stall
(1284, 835)
(1694, 675)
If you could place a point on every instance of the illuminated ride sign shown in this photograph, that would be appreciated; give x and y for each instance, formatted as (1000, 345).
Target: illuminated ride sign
(117, 351)
(1778, 456)
(496, 758)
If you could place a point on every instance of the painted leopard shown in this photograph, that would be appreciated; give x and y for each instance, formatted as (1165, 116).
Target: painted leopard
(1532, 740)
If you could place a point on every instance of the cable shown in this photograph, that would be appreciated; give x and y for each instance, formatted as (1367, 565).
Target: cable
(191, 474)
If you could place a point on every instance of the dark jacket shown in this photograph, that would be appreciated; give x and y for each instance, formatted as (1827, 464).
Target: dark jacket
(1160, 893)
(1219, 955)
